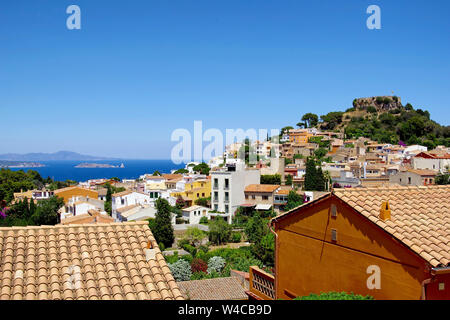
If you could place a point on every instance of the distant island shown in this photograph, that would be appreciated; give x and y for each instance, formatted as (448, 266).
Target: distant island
(57, 156)
(18, 164)
(98, 165)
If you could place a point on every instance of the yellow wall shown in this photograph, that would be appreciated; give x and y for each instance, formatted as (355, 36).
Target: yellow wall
(301, 137)
(68, 193)
(194, 190)
(308, 261)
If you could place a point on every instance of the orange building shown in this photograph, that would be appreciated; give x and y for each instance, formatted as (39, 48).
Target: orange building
(389, 243)
(68, 193)
(299, 135)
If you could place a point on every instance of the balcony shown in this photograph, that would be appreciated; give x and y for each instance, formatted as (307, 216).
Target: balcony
(262, 284)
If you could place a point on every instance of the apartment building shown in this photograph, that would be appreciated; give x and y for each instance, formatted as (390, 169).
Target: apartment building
(228, 185)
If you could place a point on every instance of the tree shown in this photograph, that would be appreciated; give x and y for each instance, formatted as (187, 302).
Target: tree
(194, 236)
(163, 230)
(310, 174)
(314, 177)
(332, 120)
(442, 179)
(294, 200)
(285, 130)
(181, 171)
(270, 179)
(46, 212)
(219, 231)
(203, 168)
(310, 119)
(289, 180)
(204, 202)
(156, 173)
(256, 228)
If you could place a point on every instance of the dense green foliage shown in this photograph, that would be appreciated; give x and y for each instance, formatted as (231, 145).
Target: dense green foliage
(263, 241)
(270, 179)
(314, 177)
(162, 226)
(219, 231)
(203, 168)
(181, 171)
(27, 213)
(310, 120)
(16, 181)
(331, 120)
(408, 125)
(204, 202)
(442, 179)
(334, 296)
(294, 200)
(181, 270)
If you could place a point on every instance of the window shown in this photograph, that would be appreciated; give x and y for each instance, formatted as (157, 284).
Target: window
(227, 183)
(253, 197)
(409, 180)
(216, 207)
(265, 197)
(203, 195)
(122, 201)
(246, 196)
(226, 196)
(226, 208)
(333, 235)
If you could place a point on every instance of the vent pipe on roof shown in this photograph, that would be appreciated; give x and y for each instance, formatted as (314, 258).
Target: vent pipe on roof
(385, 211)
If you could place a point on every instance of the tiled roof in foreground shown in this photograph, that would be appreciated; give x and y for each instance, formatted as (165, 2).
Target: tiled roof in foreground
(420, 216)
(213, 289)
(90, 261)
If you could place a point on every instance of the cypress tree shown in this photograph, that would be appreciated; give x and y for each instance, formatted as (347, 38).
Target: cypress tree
(310, 175)
(163, 230)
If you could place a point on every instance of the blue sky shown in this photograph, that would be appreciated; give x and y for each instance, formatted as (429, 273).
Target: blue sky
(137, 70)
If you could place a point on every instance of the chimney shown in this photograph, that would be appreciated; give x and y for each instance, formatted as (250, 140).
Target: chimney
(385, 211)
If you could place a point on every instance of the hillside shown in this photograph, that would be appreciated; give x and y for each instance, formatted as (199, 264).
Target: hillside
(386, 120)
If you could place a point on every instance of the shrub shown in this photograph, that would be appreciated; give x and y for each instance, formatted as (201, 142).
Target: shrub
(334, 296)
(371, 109)
(198, 265)
(236, 237)
(219, 231)
(181, 270)
(216, 264)
(204, 220)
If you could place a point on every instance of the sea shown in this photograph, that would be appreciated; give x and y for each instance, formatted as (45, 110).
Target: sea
(65, 170)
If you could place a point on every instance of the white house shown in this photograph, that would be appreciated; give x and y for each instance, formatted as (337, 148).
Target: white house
(430, 161)
(193, 214)
(81, 205)
(228, 184)
(126, 199)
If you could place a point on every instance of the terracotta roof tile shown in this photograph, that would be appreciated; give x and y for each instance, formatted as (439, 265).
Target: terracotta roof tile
(90, 261)
(213, 289)
(420, 216)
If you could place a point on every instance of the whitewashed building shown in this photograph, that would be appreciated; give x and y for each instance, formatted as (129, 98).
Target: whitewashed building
(227, 187)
